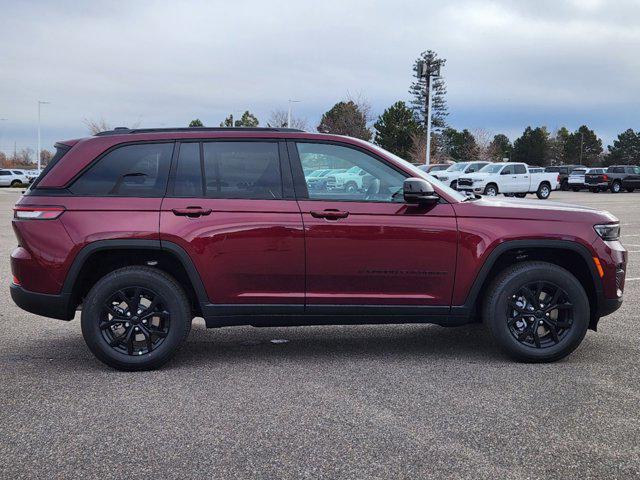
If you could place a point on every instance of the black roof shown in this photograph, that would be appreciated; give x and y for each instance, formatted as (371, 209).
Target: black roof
(125, 130)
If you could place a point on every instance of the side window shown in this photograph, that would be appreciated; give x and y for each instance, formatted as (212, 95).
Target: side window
(188, 182)
(4, 172)
(520, 169)
(353, 175)
(129, 171)
(248, 170)
(17, 172)
(508, 170)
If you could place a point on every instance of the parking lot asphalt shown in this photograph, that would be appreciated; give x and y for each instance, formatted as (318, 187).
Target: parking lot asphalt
(408, 401)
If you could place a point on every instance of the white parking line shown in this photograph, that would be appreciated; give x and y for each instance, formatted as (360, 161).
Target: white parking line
(630, 245)
(635, 279)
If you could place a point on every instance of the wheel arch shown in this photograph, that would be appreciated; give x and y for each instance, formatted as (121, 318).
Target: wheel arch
(99, 257)
(574, 257)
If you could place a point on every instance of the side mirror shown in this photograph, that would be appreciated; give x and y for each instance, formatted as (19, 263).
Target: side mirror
(418, 190)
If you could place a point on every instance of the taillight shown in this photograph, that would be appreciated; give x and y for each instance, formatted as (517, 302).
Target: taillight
(605, 178)
(37, 213)
(558, 180)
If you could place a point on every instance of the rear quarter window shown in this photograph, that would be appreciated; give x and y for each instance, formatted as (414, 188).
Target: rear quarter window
(139, 170)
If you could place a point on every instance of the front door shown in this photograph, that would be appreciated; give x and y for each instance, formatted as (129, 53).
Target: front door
(230, 206)
(364, 245)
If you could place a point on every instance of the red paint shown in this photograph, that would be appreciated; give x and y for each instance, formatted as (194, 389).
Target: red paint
(279, 252)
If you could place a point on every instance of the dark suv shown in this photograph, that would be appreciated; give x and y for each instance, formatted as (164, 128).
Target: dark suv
(146, 229)
(563, 172)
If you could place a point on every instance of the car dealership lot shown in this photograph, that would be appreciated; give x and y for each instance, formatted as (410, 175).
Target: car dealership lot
(409, 401)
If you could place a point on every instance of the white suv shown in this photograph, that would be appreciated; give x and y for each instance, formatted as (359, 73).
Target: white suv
(13, 178)
(450, 175)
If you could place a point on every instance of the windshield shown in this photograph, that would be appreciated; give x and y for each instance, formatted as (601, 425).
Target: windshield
(579, 171)
(491, 168)
(457, 167)
(416, 172)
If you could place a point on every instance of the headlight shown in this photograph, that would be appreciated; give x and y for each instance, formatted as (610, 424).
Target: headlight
(610, 231)
(442, 179)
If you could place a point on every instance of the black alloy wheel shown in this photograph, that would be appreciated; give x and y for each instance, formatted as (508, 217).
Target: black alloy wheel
(539, 314)
(135, 321)
(136, 318)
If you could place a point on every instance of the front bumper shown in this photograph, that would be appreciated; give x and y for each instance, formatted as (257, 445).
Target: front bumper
(46, 305)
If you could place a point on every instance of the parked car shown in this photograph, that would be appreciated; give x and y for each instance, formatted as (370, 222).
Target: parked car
(563, 172)
(350, 180)
(450, 175)
(511, 179)
(434, 167)
(632, 181)
(12, 178)
(233, 235)
(611, 179)
(577, 177)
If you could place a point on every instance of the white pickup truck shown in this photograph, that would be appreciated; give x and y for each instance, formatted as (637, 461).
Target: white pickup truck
(509, 179)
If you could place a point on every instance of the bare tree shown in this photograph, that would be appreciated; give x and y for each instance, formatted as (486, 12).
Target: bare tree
(483, 141)
(418, 150)
(278, 119)
(96, 126)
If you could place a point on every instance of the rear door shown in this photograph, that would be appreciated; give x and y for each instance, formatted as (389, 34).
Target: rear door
(230, 206)
(366, 247)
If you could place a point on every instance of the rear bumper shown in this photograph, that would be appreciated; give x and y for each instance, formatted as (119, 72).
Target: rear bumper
(606, 306)
(53, 306)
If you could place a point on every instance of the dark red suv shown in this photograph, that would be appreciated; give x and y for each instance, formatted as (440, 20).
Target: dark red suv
(143, 230)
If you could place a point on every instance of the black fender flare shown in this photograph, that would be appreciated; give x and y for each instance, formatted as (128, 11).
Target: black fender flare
(513, 245)
(128, 244)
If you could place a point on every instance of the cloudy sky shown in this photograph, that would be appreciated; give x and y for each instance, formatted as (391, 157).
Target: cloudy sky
(509, 64)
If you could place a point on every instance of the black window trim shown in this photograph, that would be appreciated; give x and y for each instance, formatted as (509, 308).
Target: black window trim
(69, 184)
(300, 184)
(285, 172)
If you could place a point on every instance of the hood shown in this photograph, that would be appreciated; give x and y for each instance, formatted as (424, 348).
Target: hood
(476, 175)
(494, 207)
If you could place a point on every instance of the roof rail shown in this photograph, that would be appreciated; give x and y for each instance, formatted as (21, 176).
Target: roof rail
(125, 130)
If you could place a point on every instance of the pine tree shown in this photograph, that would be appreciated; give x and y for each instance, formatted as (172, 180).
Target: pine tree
(394, 129)
(625, 150)
(248, 119)
(499, 148)
(583, 147)
(196, 123)
(345, 118)
(418, 91)
(532, 147)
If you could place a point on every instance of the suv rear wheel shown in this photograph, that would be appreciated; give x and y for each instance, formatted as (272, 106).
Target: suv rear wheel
(135, 318)
(537, 312)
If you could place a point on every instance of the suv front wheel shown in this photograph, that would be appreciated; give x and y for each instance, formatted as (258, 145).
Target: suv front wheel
(537, 311)
(135, 318)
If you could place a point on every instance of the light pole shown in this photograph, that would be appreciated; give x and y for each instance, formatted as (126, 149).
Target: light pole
(40, 103)
(289, 112)
(429, 72)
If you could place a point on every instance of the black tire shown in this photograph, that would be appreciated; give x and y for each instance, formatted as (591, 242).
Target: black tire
(616, 187)
(576, 189)
(351, 187)
(174, 321)
(454, 184)
(491, 190)
(544, 191)
(504, 328)
(594, 190)
(16, 183)
(521, 195)
(630, 190)
(564, 185)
